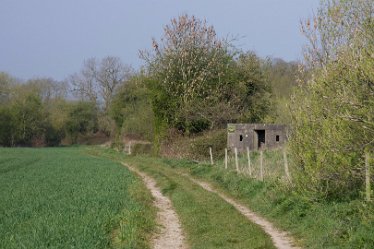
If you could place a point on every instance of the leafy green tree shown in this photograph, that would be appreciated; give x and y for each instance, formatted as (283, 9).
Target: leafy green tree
(282, 76)
(27, 111)
(283, 79)
(54, 106)
(197, 83)
(253, 88)
(246, 96)
(57, 114)
(82, 118)
(33, 113)
(333, 113)
(6, 127)
(131, 108)
(189, 65)
(6, 118)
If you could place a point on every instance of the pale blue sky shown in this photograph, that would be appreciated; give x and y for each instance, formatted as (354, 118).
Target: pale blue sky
(51, 38)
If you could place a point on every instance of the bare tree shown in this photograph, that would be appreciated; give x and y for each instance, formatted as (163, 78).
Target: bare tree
(5, 82)
(83, 83)
(110, 75)
(338, 24)
(98, 81)
(48, 88)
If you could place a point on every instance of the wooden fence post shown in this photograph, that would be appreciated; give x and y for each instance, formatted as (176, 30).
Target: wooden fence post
(367, 176)
(236, 160)
(211, 155)
(225, 158)
(286, 170)
(249, 162)
(129, 148)
(261, 165)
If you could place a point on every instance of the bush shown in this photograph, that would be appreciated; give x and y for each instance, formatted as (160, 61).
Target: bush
(142, 149)
(200, 146)
(331, 130)
(53, 136)
(6, 127)
(332, 115)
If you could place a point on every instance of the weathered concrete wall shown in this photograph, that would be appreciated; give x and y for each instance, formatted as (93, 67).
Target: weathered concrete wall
(250, 135)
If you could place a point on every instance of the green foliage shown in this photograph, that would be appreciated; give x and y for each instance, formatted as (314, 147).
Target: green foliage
(61, 198)
(27, 113)
(33, 113)
(333, 113)
(52, 136)
(142, 149)
(347, 224)
(6, 127)
(97, 83)
(332, 129)
(199, 146)
(187, 68)
(57, 117)
(82, 118)
(282, 77)
(131, 108)
(253, 91)
(36, 113)
(197, 83)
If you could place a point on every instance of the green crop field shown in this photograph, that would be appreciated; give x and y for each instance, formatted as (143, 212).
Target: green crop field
(63, 198)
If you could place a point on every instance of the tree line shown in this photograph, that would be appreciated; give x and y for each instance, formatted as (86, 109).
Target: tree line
(37, 113)
(193, 81)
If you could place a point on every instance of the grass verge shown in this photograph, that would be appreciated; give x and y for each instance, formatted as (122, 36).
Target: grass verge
(315, 224)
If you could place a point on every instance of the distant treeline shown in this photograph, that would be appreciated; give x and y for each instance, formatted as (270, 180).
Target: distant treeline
(190, 84)
(37, 113)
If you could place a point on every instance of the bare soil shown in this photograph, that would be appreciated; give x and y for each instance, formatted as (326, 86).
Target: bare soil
(280, 238)
(169, 234)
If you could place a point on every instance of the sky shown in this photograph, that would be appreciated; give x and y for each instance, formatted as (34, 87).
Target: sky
(52, 38)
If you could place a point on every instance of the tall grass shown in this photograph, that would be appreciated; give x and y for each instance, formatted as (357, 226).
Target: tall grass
(272, 163)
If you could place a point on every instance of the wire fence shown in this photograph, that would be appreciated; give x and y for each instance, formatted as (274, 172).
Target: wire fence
(268, 165)
(261, 165)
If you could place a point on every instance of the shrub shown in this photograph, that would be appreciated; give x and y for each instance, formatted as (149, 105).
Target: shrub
(142, 149)
(332, 115)
(200, 146)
